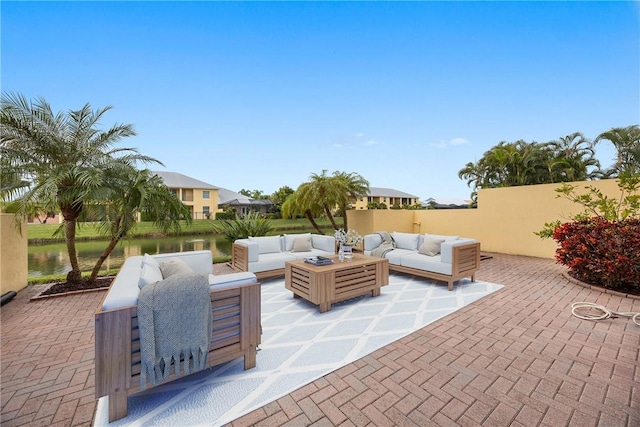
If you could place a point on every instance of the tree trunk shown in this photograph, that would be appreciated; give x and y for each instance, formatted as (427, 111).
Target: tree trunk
(344, 218)
(333, 221)
(105, 254)
(75, 275)
(309, 216)
(107, 251)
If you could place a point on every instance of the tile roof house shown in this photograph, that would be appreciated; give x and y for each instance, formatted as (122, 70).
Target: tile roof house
(241, 203)
(200, 197)
(446, 203)
(203, 199)
(386, 196)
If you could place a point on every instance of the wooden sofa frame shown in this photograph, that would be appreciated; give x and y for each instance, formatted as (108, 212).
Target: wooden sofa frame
(240, 262)
(465, 261)
(236, 333)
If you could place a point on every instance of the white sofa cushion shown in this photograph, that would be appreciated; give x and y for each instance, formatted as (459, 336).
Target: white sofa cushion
(440, 236)
(149, 274)
(289, 239)
(124, 290)
(371, 241)
(272, 261)
(199, 261)
(424, 262)
(222, 281)
(405, 240)
(324, 243)
(430, 247)
(148, 259)
(396, 255)
(313, 252)
(267, 244)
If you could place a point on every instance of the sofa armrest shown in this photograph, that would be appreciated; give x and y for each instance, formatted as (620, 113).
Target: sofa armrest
(372, 241)
(446, 249)
(225, 281)
(242, 253)
(253, 249)
(323, 243)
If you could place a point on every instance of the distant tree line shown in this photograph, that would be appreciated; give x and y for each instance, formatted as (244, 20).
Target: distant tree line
(569, 158)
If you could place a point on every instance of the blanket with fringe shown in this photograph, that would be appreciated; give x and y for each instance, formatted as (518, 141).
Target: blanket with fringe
(387, 245)
(174, 322)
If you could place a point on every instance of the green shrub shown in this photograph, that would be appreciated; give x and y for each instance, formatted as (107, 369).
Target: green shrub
(241, 227)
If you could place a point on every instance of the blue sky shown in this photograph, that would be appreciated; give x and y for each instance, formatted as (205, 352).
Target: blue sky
(259, 95)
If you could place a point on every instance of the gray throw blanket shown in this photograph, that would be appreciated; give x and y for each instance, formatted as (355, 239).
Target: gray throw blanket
(174, 320)
(387, 245)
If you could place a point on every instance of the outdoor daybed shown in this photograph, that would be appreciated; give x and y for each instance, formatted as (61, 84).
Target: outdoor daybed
(266, 256)
(445, 258)
(235, 304)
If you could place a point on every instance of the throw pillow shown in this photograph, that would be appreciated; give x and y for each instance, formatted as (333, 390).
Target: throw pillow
(405, 240)
(267, 244)
(148, 259)
(430, 247)
(148, 275)
(174, 266)
(290, 238)
(301, 244)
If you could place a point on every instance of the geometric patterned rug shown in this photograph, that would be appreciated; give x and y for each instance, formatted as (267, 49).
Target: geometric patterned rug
(299, 345)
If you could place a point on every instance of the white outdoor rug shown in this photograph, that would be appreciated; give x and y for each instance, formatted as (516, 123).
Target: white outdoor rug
(299, 345)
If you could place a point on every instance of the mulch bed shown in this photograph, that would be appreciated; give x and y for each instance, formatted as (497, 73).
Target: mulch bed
(64, 288)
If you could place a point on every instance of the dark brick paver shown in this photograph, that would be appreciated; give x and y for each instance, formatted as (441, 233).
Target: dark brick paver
(515, 358)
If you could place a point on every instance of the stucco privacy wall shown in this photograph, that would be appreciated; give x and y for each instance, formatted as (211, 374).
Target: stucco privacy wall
(13, 255)
(504, 221)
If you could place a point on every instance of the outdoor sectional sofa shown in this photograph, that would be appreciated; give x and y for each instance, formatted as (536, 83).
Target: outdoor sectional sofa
(265, 256)
(235, 304)
(444, 258)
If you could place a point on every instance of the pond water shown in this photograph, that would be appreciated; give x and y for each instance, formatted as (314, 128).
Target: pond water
(53, 258)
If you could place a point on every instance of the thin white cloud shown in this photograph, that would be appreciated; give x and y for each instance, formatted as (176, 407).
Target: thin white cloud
(458, 141)
(369, 143)
(337, 145)
(359, 135)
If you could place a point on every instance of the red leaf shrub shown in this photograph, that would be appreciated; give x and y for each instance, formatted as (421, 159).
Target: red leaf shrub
(601, 252)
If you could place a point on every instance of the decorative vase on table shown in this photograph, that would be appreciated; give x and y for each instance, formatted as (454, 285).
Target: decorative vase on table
(348, 253)
(347, 241)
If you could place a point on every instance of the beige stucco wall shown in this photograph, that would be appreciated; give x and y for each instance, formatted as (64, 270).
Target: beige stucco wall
(13, 255)
(504, 221)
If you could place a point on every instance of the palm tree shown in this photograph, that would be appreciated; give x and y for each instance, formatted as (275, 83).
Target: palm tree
(350, 186)
(578, 156)
(132, 192)
(299, 203)
(627, 142)
(325, 191)
(60, 159)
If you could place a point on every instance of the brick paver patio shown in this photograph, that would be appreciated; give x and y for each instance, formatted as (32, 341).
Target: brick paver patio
(517, 358)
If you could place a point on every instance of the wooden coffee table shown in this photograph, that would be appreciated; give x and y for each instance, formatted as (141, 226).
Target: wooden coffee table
(326, 284)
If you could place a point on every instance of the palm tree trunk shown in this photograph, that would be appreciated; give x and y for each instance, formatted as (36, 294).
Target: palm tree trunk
(75, 275)
(309, 216)
(105, 254)
(333, 221)
(345, 226)
(112, 244)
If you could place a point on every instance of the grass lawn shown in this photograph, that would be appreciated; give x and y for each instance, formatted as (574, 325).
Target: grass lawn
(89, 230)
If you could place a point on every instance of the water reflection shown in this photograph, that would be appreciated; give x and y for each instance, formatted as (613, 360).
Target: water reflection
(54, 259)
